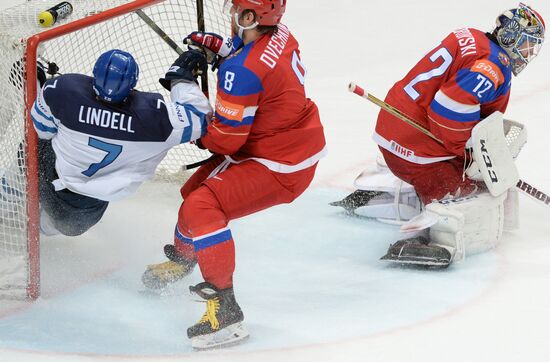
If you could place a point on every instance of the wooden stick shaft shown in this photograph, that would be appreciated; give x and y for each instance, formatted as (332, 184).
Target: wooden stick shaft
(354, 88)
(159, 31)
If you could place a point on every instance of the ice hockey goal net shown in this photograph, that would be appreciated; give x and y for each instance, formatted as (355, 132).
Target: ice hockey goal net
(74, 44)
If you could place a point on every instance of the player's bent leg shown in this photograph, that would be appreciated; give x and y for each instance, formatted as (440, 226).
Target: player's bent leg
(64, 211)
(74, 214)
(199, 215)
(432, 181)
(207, 212)
(200, 175)
(221, 324)
(181, 255)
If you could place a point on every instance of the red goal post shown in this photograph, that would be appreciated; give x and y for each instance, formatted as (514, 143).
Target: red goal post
(74, 44)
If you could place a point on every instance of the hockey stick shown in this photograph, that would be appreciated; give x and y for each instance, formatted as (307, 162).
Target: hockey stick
(354, 88)
(159, 31)
(172, 44)
(201, 27)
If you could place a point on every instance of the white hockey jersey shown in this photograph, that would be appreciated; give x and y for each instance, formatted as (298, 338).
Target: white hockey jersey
(106, 151)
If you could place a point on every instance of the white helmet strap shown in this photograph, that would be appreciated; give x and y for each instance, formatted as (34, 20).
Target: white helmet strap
(243, 28)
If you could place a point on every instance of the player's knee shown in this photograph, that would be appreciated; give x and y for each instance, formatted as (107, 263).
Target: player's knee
(201, 213)
(74, 226)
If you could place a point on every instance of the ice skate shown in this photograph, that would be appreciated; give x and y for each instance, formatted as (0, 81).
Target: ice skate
(158, 276)
(221, 324)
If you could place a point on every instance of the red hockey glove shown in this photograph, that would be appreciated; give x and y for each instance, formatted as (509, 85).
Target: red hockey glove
(217, 44)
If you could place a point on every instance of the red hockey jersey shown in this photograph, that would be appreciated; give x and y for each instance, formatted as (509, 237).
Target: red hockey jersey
(261, 110)
(457, 84)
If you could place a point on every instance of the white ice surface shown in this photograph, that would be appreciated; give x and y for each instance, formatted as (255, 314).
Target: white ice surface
(308, 277)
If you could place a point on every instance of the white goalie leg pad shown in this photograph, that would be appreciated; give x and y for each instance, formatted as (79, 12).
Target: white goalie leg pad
(491, 154)
(470, 225)
(392, 208)
(399, 202)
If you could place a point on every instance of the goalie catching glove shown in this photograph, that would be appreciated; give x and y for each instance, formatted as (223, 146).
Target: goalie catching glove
(187, 67)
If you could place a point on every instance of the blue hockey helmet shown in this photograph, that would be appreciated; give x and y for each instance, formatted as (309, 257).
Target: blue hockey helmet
(115, 75)
(520, 32)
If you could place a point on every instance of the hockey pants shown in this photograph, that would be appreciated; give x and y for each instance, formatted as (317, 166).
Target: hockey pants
(211, 202)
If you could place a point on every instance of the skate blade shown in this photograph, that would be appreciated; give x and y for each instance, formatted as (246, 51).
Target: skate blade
(428, 263)
(229, 336)
(177, 288)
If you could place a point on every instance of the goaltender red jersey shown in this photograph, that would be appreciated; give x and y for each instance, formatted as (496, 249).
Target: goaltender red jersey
(457, 84)
(261, 110)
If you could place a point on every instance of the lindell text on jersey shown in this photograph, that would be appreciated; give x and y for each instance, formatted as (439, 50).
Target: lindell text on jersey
(105, 119)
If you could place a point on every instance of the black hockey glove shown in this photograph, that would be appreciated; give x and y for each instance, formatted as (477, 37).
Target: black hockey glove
(199, 144)
(41, 73)
(188, 66)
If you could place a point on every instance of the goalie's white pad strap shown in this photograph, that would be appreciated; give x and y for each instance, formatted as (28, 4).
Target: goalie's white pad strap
(391, 208)
(511, 210)
(492, 155)
(397, 206)
(379, 178)
(471, 225)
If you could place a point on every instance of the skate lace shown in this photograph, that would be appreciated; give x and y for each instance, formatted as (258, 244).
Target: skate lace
(212, 308)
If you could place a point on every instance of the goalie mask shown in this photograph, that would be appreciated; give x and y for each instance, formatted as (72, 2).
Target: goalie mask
(520, 32)
(115, 75)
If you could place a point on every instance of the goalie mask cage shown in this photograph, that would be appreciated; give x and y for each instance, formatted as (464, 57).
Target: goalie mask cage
(74, 43)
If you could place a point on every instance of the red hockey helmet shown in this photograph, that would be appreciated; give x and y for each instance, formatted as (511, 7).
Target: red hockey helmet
(268, 12)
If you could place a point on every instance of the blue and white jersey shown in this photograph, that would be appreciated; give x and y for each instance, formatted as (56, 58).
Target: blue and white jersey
(106, 150)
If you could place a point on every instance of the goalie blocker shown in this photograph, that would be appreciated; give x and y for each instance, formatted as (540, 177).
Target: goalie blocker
(491, 155)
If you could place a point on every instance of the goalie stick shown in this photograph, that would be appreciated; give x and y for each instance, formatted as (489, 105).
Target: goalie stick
(172, 44)
(354, 88)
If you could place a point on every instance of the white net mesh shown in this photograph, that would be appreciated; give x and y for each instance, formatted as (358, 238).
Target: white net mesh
(76, 53)
(515, 135)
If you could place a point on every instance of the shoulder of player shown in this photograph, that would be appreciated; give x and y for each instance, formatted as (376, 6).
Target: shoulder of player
(146, 104)
(67, 82)
(467, 43)
(239, 79)
(480, 55)
(494, 65)
(266, 51)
